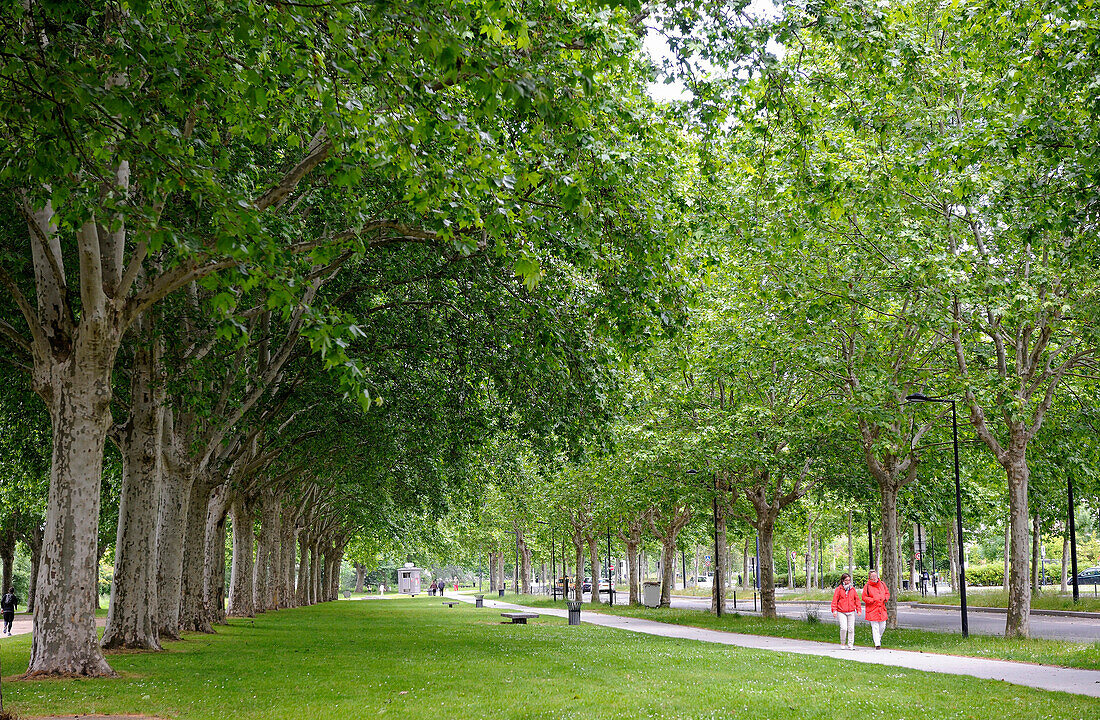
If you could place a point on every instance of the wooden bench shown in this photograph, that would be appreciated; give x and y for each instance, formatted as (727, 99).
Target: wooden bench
(519, 618)
(450, 603)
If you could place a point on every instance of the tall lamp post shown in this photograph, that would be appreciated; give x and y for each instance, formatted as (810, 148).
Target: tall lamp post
(1073, 541)
(610, 575)
(718, 590)
(918, 398)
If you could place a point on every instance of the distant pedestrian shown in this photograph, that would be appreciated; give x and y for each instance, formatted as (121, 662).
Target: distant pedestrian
(7, 605)
(875, 595)
(431, 588)
(845, 607)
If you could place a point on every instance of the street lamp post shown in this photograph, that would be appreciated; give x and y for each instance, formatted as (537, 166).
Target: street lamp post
(919, 397)
(610, 580)
(1072, 540)
(718, 594)
(870, 545)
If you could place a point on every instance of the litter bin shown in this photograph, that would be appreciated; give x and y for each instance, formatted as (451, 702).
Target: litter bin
(500, 592)
(651, 593)
(574, 612)
(479, 601)
(904, 584)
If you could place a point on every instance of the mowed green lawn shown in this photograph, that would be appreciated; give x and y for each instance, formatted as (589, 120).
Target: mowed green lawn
(419, 659)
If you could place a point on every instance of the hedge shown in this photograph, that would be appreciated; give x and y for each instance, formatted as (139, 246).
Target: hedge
(986, 575)
(830, 578)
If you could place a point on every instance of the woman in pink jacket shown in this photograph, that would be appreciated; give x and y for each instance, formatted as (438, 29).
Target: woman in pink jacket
(875, 595)
(845, 607)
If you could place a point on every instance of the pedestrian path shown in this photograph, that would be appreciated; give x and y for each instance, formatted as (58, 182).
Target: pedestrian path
(24, 624)
(1044, 677)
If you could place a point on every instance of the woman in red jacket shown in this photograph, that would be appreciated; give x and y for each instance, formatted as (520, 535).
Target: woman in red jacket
(875, 595)
(845, 608)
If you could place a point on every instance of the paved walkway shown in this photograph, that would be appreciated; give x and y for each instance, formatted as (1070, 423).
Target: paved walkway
(23, 625)
(1044, 677)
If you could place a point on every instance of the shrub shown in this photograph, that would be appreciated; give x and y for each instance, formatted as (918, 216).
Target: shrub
(989, 575)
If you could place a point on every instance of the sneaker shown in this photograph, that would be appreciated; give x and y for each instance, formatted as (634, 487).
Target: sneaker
(878, 647)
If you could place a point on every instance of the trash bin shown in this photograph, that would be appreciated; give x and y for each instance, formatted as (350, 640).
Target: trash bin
(574, 612)
(904, 584)
(651, 593)
(500, 592)
(479, 601)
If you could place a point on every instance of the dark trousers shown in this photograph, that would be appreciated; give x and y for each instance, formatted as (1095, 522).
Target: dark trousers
(9, 618)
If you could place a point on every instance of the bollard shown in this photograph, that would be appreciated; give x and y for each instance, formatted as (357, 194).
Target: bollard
(734, 599)
(479, 601)
(574, 612)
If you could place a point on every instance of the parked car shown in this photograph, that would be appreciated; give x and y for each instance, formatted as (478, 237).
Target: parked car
(703, 580)
(587, 585)
(1089, 576)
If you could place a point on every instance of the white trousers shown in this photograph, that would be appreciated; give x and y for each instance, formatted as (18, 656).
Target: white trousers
(877, 628)
(847, 623)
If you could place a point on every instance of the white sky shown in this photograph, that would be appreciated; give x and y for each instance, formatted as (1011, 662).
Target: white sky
(654, 44)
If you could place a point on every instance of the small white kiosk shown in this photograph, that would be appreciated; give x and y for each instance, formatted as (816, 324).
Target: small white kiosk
(408, 580)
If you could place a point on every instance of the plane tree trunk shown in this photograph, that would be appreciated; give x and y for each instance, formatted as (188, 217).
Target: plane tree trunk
(78, 394)
(767, 496)
(241, 595)
(194, 614)
(213, 591)
(132, 613)
(666, 524)
(631, 535)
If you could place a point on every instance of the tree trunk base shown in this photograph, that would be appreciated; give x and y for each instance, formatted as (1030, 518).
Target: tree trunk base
(120, 643)
(80, 670)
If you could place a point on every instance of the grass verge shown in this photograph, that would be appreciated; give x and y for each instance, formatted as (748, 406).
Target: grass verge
(1044, 652)
(417, 659)
(1043, 600)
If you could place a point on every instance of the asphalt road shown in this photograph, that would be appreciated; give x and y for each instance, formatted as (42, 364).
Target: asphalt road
(947, 620)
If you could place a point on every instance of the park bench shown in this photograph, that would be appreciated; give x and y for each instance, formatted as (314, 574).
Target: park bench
(450, 603)
(519, 618)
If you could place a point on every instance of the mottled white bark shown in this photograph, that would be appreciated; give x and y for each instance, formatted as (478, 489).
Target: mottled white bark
(171, 520)
(287, 548)
(1018, 621)
(316, 572)
(213, 588)
(194, 615)
(265, 586)
(302, 593)
(241, 596)
(132, 613)
(64, 636)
